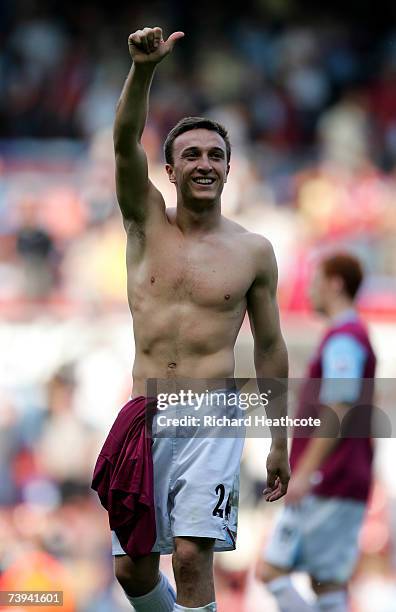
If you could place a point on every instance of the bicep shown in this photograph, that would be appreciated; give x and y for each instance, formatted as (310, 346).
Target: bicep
(263, 306)
(263, 315)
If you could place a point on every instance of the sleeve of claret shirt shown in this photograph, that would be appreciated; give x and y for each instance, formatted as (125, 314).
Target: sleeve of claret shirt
(343, 361)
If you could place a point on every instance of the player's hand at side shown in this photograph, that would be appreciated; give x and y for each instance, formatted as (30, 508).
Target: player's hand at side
(147, 46)
(278, 474)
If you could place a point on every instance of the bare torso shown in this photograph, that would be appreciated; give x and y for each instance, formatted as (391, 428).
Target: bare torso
(192, 274)
(187, 296)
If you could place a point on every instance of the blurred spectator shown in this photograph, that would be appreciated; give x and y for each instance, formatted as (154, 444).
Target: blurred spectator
(36, 251)
(10, 443)
(344, 132)
(62, 431)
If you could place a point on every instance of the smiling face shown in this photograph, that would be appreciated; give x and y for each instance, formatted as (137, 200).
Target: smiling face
(200, 167)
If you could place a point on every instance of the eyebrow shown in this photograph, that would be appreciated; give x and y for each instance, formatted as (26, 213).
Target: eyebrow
(190, 150)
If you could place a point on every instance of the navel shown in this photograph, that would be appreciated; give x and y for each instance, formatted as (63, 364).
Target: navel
(152, 280)
(227, 296)
(172, 365)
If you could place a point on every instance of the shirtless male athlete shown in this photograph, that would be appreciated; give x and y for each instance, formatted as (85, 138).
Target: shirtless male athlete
(191, 276)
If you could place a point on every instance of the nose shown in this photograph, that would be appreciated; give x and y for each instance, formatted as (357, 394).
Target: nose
(204, 164)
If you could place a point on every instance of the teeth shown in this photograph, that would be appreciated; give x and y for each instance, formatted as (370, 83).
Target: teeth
(204, 181)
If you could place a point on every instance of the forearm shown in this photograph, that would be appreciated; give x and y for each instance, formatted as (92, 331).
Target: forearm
(272, 363)
(318, 449)
(132, 107)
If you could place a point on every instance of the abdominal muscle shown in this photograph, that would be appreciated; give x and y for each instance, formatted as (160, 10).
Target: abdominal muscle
(210, 371)
(181, 344)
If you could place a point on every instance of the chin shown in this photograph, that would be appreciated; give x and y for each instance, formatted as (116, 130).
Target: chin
(205, 197)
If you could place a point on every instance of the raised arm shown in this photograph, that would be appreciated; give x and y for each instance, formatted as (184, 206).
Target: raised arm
(136, 194)
(270, 358)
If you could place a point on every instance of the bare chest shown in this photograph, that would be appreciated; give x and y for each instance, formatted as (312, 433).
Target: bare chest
(203, 272)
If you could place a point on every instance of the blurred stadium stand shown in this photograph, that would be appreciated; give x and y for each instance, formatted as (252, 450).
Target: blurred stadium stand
(309, 97)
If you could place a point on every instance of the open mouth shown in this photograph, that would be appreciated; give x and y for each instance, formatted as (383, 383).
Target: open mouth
(200, 180)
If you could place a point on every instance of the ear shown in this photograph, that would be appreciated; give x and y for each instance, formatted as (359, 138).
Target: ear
(338, 284)
(170, 173)
(226, 176)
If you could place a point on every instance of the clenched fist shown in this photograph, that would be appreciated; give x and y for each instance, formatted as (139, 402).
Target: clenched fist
(148, 46)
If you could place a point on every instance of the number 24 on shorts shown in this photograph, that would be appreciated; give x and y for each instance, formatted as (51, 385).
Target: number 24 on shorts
(218, 510)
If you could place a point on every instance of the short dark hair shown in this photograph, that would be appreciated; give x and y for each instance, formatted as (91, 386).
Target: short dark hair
(194, 123)
(347, 267)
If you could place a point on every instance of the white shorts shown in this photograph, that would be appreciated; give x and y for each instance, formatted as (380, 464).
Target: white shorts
(196, 485)
(318, 536)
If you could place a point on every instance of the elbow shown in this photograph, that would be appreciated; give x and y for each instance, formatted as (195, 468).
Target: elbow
(272, 356)
(270, 346)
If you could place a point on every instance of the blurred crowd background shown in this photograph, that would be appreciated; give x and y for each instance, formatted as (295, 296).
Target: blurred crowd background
(308, 94)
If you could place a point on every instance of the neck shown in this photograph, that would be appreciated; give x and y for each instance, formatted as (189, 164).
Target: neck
(339, 305)
(193, 219)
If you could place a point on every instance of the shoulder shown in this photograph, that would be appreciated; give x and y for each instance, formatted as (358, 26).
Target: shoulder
(262, 256)
(257, 244)
(259, 250)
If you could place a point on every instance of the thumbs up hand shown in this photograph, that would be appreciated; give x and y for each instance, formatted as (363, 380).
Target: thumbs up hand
(148, 46)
